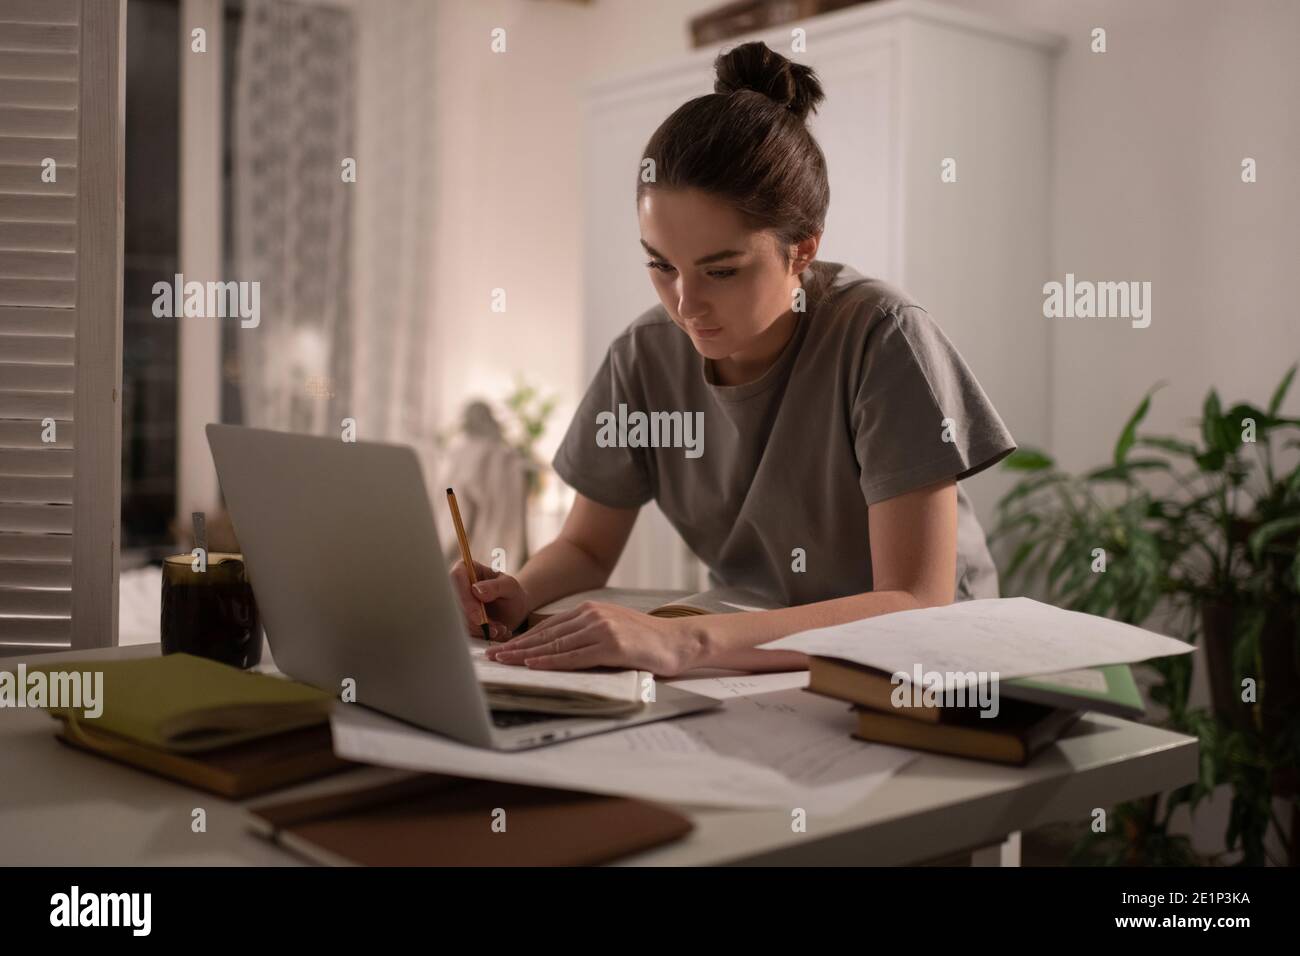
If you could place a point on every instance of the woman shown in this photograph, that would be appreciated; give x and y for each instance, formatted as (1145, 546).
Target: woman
(837, 418)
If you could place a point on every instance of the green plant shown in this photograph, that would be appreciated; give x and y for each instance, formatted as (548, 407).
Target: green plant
(531, 412)
(1207, 533)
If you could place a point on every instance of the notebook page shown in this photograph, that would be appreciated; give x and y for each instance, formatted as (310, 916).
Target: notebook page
(624, 685)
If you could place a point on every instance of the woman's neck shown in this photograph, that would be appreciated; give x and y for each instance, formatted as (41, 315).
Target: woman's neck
(750, 363)
(744, 366)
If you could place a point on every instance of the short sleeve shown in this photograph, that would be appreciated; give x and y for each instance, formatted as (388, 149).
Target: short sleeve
(919, 415)
(612, 476)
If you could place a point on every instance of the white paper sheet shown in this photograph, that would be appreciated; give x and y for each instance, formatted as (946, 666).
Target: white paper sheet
(1017, 637)
(787, 749)
(742, 685)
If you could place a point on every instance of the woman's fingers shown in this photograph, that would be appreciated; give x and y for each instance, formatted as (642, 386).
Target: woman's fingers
(469, 605)
(546, 631)
(561, 644)
(566, 636)
(489, 590)
(589, 655)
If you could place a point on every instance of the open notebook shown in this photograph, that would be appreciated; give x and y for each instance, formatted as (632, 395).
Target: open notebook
(599, 692)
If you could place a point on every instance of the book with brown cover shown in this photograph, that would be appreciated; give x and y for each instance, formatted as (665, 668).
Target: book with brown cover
(1014, 736)
(859, 684)
(1109, 689)
(436, 820)
(236, 771)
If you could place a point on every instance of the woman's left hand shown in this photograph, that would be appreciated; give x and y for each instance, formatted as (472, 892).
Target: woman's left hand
(596, 634)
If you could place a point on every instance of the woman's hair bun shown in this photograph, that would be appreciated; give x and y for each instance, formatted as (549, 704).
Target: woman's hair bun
(753, 66)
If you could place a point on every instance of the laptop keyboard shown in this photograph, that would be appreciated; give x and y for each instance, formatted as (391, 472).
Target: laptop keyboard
(516, 718)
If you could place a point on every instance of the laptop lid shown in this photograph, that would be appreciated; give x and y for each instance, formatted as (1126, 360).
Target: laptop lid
(341, 548)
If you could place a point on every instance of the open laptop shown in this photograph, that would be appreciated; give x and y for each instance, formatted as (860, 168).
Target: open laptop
(341, 548)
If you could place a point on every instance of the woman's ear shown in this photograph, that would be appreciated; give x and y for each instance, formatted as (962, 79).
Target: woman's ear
(804, 252)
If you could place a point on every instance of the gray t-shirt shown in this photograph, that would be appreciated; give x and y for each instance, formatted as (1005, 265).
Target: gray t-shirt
(854, 411)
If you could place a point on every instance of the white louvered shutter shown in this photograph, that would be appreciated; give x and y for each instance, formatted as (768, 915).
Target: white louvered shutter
(61, 99)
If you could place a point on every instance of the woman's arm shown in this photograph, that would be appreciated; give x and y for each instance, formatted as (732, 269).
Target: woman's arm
(581, 557)
(913, 561)
(913, 565)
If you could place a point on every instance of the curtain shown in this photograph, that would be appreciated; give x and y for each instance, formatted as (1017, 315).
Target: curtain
(344, 266)
(293, 127)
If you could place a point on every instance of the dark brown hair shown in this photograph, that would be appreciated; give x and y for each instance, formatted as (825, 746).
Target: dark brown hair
(746, 143)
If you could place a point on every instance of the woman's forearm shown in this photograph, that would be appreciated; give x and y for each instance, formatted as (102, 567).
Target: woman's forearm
(558, 569)
(729, 640)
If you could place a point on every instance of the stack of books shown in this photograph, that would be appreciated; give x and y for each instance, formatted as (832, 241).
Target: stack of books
(211, 726)
(1007, 721)
(908, 674)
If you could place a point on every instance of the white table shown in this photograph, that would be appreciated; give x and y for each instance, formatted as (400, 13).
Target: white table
(62, 807)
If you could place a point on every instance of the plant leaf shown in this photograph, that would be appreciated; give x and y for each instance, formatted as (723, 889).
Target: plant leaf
(1129, 433)
(1173, 445)
(1027, 459)
(1121, 472)
(1279, 393)
(1267, 532)
(1210, 414)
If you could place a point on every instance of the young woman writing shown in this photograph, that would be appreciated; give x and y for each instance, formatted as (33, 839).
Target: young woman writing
(837, 416)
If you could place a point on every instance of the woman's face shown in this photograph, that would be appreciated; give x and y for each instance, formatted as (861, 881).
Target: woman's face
(721, 282)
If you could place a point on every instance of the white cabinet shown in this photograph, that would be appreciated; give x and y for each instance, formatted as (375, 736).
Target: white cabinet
(909, 84)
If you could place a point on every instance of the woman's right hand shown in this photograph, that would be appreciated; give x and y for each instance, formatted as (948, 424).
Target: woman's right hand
(502, 596)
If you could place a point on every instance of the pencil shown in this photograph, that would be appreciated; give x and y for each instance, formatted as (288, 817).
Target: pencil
(466, 558)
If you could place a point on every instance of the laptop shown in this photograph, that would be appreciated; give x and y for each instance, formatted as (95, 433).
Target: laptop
(341, 549)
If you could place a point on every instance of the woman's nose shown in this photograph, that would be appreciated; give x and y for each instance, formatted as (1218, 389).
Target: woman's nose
(690, 304)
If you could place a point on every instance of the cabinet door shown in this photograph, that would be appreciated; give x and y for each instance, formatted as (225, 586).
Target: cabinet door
(857, 128)
(620, 122)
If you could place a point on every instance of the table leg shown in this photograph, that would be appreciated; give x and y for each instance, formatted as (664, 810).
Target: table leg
(1006, 853)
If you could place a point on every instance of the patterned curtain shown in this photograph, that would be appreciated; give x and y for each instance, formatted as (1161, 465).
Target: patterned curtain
(344, 266)
(294, 125)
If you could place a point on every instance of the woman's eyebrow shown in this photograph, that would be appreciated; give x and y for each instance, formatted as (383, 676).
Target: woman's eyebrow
(702, 261)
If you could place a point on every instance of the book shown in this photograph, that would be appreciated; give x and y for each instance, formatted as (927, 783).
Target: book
(1109, 689)
(187, 704)
(436, 820)
(595, 692)
(661, 603)
(236, 771)
(1019, 731)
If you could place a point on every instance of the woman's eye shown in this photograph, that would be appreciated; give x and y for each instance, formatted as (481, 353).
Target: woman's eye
(713, 273)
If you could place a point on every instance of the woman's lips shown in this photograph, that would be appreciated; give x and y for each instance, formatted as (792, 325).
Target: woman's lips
(705, 333)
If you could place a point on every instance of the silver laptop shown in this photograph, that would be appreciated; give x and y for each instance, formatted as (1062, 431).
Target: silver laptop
(340, 545)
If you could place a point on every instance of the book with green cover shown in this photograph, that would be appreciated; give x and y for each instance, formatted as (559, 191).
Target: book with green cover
(1110, 689)
(187, 704)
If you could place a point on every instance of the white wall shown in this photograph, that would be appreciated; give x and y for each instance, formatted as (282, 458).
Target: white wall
(1149, 138)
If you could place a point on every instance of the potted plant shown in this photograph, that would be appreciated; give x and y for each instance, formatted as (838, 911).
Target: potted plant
(1207, 533)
